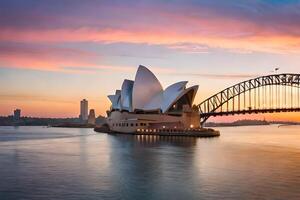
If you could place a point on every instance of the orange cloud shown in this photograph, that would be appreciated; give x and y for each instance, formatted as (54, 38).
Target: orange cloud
(54, 59)
(43, 58)
(60, 59)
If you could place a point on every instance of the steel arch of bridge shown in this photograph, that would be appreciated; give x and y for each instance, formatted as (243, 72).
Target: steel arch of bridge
(255, 95)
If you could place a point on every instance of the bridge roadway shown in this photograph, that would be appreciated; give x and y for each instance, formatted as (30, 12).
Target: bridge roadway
(249, 111)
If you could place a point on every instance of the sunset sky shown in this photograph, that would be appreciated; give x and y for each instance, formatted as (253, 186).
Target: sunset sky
(55, 53)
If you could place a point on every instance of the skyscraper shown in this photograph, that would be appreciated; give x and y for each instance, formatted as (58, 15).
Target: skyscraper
(17, 114)
(83, 110)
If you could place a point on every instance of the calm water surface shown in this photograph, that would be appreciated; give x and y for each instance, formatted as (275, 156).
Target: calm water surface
(258, 162)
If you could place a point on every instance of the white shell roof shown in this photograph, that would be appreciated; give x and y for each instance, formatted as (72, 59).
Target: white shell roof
(185, 91)
(115, 99)
(171, 93)
(146, 93)
(155, 102)
(145, 88)
(126, 95)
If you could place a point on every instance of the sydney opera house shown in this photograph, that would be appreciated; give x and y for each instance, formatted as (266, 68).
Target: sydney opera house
(143, 105)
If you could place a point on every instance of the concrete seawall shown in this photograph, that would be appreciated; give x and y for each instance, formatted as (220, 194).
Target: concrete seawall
(203, 132)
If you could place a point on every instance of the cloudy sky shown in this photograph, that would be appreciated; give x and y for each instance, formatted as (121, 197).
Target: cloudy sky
(54, 53)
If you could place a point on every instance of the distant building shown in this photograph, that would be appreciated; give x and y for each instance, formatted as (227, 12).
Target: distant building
(83, 110)
(92, 118)
(17, 114)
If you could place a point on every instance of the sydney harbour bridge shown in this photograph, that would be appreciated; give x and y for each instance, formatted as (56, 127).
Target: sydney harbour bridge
(264, 94)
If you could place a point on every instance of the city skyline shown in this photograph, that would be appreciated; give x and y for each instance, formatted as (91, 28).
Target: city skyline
(52, 54)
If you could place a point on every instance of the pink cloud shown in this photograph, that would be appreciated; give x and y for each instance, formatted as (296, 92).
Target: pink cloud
(54, 59)
(43, 58)
(213, 25)
(213, 34)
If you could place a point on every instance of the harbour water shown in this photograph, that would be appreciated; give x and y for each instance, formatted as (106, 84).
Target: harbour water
(255, 162)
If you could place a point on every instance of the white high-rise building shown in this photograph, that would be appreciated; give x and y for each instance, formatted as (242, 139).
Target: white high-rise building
(84, 110)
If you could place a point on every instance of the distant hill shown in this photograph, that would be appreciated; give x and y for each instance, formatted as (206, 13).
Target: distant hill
(36, 121)
(244, 122)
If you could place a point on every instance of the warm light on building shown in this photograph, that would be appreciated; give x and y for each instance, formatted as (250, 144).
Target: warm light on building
(83, 110)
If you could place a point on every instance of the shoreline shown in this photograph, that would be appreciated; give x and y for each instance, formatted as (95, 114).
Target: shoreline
(73, 126)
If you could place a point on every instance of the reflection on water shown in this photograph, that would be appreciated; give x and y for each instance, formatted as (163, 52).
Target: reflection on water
(60, 163)
(152, 141)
